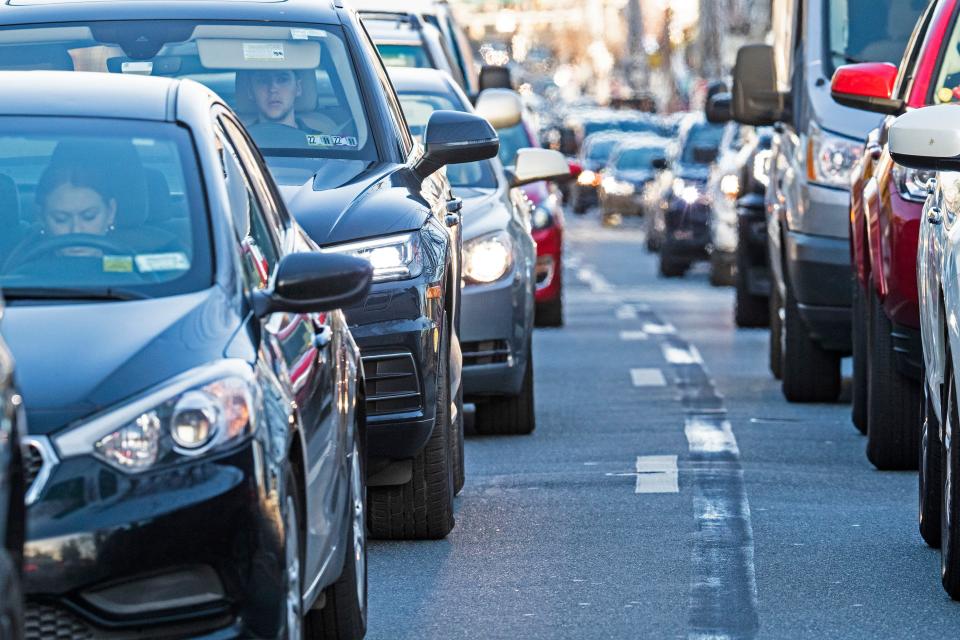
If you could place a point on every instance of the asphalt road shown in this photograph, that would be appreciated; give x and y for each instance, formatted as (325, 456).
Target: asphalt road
(668, 492)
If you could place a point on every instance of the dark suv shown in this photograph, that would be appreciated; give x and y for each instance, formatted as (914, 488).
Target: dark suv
(306, 79)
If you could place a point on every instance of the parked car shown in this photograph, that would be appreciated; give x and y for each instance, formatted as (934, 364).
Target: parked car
(500, 107)
(885, 208)
(815, 155)
(12, 482)
(926, 139)
(631, 168)
(403, 40)
(328, 122)
(198, 468)
(499, 258)
(679, 224)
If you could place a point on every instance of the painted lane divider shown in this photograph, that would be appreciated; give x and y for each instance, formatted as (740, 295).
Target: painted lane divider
(627, 312)
(631, 336)
(657, 474)
(647, 378)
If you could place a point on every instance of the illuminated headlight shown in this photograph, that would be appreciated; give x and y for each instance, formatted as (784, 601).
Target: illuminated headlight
(617, 187)
(488, 258)
(588, 178)
(830, 158)
(202, 410)
(392, 257)
(688, 192)
(730, 186)
(912, 183)
(761, 166)
(541, 218)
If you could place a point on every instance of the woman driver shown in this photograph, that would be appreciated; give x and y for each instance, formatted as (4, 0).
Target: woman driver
(76, 199)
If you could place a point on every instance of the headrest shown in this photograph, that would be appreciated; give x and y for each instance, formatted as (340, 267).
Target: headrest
(244, 104)
(119, 160)
(9, 205)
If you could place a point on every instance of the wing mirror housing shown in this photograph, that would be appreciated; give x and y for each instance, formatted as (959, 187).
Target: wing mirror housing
(719, 108)
(534, 165)
(494, 76)
(455, 137)
(867, 86)
(314, 282)
(502, 108)
(756, 99)
(927, 138)
(575, 168)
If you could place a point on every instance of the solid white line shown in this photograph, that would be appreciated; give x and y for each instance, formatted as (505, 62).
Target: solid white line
(676, 355)
(647, 378)
(629, 336)
(626, 312)
(657, 474)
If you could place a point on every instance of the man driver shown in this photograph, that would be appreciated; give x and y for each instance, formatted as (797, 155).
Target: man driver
(275, 93)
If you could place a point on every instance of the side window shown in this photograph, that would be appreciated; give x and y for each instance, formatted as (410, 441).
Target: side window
(257, 245)
(406, 141)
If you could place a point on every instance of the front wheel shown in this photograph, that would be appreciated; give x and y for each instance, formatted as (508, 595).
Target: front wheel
(950, 483)
(513, 415)
(930, 487)
(860, 357)
(750, 310)
(550, 313)
(776, 333)
(809, 372)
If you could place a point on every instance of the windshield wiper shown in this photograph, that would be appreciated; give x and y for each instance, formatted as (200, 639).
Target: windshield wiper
(70, 293)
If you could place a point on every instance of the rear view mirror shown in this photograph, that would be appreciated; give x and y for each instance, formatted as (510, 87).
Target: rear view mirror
(315, 282)
(927, 138)
(455, 137)
(718, 109)
(756, 99)
(534, 165)
(494, 77)
(502, 108)
(867, 86)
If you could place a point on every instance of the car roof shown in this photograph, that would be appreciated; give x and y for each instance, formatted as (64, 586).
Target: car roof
(92, 95)
(409, 80)
(382, 30)
(14, 12)
(390, 6)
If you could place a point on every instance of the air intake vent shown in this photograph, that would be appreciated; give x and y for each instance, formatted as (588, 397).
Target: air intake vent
(392, 383)
(46, 622)
(488, 352)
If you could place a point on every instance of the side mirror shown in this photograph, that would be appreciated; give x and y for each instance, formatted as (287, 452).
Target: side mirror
(867, 86)
(927, 138)
(494, 77)
(756, 98)
(455, 137)
(575, 168)
(659, 163)
(502, 108)
(534, 165)
(315, 282)
(718, 109)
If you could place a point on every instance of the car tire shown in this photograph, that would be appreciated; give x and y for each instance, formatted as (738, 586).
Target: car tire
(749, 310)
(550, 313)
(721, 272)
(809, 372)
(776, 333)
(422, 508)
(894, 411)
(858, 334)
(931, 489)
(671, 267)
(950, 492)
(456, 445)
(344, 613)
(293, 551)
(514, 415)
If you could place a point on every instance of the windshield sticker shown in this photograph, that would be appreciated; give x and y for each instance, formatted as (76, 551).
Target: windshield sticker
(137, 67)
(306, 34)
(117, 264)
(331, 141)
(151, 262)
(263, 51)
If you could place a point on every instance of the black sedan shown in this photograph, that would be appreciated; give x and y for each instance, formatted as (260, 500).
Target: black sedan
(191, 390)
(306, 79)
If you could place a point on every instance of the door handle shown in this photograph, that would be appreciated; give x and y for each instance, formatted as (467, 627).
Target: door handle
(322, 337)
(454, 205)
(935, 215)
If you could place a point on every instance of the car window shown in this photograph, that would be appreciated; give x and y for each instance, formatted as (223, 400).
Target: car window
(273, 210)
(638, 158)
(512, 139)
(699, 137)
(293, 86)
(869, 30)
(404, 55)
(947, 87)
(96, 204)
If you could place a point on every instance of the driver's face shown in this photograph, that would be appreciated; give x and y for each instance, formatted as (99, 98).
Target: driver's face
(72, 209)
(275, 93)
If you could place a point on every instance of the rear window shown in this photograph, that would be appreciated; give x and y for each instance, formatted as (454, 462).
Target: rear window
(404, 55)
(638, 159)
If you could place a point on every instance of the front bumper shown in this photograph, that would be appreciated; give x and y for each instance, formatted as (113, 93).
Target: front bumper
(819, 271)
(631, 205)
(687, 230)
(194, 550)
(397, 329)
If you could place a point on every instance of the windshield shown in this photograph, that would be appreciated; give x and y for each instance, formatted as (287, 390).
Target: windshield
(404, 55)
(293, 86)
(869, 30)
(600, 150)
(417, 107)
(512, 139)
(947, 88)
(100, 208)
(638, 159)
(702, 143)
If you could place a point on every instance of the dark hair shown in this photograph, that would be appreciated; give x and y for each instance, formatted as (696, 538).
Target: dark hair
(85, 176)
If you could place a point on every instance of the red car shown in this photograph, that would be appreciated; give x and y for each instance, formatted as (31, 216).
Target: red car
(886, 205)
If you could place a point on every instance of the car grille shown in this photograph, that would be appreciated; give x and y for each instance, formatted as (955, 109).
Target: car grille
(391, 381)
(47, 622)
(32, 462)
(488, 352)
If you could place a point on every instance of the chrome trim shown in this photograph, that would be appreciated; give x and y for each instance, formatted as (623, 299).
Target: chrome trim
(50, 460)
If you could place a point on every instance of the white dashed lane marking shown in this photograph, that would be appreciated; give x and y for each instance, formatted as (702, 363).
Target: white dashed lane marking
(647, 378)
(626, 312)
(632, 336)
(657, 474)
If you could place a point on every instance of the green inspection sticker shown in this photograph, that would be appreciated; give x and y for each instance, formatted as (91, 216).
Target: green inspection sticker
(117, 264)
(331, 141)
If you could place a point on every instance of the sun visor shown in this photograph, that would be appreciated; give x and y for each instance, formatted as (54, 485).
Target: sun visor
(259, 54)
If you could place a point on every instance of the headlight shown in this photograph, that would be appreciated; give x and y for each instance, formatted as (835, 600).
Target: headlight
(617, 187)
(761, 167)
(688, 192)
(487, 258)
(730, 186)
(588, 178)
(830, 158)
(392, 258)
(198, 411)
(912, 183)
(541, 218)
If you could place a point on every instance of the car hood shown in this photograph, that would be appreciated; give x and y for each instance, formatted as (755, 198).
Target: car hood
(483, 212)
(365, 208)
(74, 360)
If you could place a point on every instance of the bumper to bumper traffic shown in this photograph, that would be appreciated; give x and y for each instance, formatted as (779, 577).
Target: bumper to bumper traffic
(819, 271)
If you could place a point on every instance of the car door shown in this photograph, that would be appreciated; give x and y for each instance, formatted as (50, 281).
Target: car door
(302, 346)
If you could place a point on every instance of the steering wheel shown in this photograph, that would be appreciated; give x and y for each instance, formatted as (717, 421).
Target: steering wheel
(47, 245)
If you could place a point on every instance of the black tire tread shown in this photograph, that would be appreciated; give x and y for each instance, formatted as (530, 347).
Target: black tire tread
(858, 334)
(810, 373)
(513, 415)
(931, 491)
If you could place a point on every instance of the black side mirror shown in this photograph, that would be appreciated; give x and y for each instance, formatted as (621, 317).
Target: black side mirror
(719, 108)
(313, 283)
(456, 137)
(494, 77)
(659, 163)
(756, 99)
